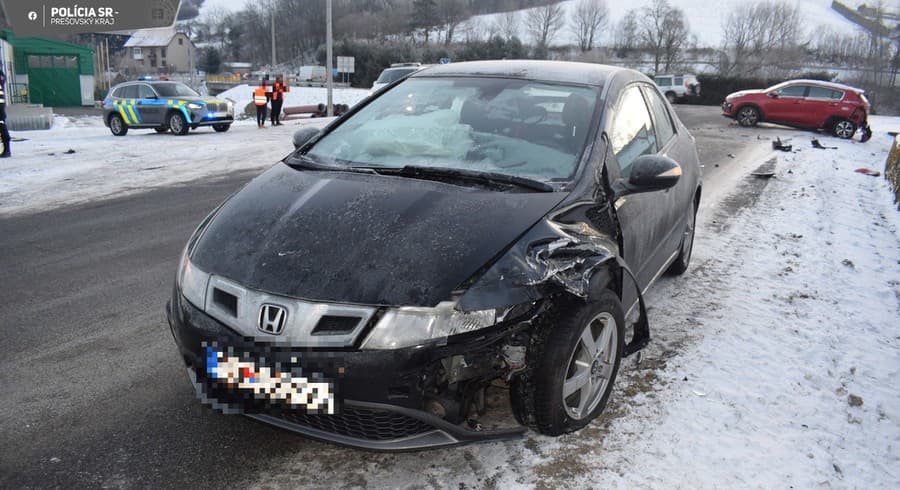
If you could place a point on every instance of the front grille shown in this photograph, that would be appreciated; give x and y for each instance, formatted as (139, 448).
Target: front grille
(333, 324)
(362, 423)
(214, 107)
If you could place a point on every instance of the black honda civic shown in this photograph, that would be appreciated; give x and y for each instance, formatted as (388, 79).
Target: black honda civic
(473, 227)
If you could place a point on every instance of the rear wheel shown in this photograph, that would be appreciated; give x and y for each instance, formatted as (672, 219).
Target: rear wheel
(748, 116)
(221, 128)
(573, 364)
(844, 129)
(178, 124)
(117, 125)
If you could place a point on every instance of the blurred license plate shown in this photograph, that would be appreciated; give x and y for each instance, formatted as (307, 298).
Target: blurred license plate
(244, 374)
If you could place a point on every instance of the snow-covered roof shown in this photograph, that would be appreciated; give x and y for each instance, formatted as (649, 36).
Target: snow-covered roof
(161, 36)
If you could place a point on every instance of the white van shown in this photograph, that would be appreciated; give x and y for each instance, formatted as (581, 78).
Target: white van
(312, 73)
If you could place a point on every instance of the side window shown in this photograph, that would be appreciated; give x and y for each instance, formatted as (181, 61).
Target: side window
(824, 93)
(631, 134)
(129, 92)
(119, 93)
(792, 91)
(662, 119)
(664, 81)
(145, 92)
(679, 81)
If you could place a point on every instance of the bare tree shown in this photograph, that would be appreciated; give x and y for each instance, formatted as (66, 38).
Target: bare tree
(762, 38)
(587, 20)
(664, 31)
(451, 14)
(507, 25)
(544, 22)
(626, 34)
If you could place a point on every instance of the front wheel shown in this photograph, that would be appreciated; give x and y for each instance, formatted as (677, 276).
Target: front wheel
(221, 128)
(573, 362)
(748, 116)
(844, 129)
(117, 125)
(178, 124)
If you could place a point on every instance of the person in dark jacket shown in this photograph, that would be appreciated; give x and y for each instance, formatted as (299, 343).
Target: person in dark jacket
(4, 131)
(278, 91)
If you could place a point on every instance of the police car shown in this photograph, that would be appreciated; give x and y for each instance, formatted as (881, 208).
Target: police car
(163, 106)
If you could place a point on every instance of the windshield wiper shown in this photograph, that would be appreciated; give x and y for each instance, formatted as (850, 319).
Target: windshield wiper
(306, 162)
(461, 174)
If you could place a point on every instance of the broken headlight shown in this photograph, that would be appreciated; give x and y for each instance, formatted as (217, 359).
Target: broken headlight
(406, 327)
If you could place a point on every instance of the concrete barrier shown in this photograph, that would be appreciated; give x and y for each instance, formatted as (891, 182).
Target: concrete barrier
(27, 117)
(892, 169)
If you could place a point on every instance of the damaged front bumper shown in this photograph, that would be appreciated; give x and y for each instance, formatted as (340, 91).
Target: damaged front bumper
(380, 396)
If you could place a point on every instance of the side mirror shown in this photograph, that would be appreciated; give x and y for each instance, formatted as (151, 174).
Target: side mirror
(773, 95)
(303, 135)
(649, 173)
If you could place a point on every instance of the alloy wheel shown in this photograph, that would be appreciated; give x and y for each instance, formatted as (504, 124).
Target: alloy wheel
(590, 366)
(844, 129)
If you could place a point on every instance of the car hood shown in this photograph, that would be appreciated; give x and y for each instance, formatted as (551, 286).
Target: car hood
(743, 93)
(362, 238)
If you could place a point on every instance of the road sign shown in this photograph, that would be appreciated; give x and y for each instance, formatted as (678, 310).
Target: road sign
(445, 61)
(346, 64)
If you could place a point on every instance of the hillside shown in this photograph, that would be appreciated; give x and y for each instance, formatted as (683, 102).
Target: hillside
(705, 22)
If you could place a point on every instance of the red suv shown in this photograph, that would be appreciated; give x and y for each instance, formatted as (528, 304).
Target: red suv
(813, 104)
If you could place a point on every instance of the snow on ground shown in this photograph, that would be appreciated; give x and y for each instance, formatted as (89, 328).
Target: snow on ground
(243, 95)
(41, 175)
(773, 362)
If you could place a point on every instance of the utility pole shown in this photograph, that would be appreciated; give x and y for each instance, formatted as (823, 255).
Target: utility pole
(329, 71)
(272, 17)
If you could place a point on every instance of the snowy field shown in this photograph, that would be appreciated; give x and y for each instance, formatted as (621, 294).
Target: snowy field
(705, 22)
(774, 360)
(243, 95)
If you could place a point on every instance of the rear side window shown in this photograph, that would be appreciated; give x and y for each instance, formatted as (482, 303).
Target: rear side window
(662, 119)
(824, 93)
(632, 133)
(127, 92)
(664, 81)
(679, 80)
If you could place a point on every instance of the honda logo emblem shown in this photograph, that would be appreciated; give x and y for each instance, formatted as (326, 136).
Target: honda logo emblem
(272, 319)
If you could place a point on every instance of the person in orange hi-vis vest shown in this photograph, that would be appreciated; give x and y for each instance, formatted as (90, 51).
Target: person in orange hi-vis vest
(260, 99)
(278, 91)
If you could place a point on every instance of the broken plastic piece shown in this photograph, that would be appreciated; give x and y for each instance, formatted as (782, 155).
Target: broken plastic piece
(868, 171)
(816, 144)
(778, 145)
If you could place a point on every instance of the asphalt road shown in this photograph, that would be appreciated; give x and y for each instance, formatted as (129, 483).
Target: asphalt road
(93, 390)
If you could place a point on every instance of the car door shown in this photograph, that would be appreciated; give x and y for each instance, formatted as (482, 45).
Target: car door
(787, 105)
(631, 134)
(151, 107)
(675, 200)
(126, 105)
(821, 104)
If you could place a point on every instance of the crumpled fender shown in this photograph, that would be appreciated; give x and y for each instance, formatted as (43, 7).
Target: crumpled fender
(553, 257)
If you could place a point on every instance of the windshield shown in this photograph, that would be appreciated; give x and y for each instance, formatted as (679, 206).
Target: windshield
(514, 127)
(174, 89)
(392, 74)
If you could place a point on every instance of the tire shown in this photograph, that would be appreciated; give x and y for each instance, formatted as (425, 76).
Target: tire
(687, 244)
(550, 396)
(160, 130)
(747, 116)
(117, 125)
(670, 96)
(844, 129)
(221, 128)
(178, 124)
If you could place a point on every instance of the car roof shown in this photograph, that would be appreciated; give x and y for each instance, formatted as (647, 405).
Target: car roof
(822, 83)
(548, 71)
